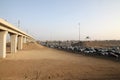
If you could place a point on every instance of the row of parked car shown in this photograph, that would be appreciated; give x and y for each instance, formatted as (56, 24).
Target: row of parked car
(107, 52)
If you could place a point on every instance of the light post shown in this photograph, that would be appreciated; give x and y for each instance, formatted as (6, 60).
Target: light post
(18, 23)
(79, 31)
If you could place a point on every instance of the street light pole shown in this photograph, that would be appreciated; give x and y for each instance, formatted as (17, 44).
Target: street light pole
(18, 23)
(79, 31)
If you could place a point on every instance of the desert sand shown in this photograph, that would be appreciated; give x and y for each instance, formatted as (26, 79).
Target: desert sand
(37, 62)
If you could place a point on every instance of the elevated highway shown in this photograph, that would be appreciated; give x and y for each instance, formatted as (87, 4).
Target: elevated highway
(17, 37)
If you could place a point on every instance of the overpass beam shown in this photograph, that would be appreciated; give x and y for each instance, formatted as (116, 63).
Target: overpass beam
(20, 42)
(3, 35)
(13, 38)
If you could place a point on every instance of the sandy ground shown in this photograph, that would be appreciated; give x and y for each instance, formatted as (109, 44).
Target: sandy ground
(36, 62)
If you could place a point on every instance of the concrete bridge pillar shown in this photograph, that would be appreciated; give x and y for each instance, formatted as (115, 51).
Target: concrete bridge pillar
(3, 35)
(20, 42)
(13, 38)
(24, 40)
(28, 40)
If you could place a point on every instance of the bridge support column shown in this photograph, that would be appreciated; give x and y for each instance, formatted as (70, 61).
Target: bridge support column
(3, 35)
(28, 40)
(20, 42)
(24, 40)
(13, 43)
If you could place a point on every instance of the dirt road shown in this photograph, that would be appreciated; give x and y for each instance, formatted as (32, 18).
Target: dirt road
(41, 63)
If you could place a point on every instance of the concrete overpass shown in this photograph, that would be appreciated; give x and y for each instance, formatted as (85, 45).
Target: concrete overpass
(17, 38)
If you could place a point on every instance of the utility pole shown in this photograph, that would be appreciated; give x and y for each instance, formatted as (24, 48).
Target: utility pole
(51, 36)
(18, 23)
(79, 31)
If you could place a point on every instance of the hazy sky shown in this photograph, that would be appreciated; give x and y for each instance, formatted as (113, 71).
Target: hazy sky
(58, 19)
